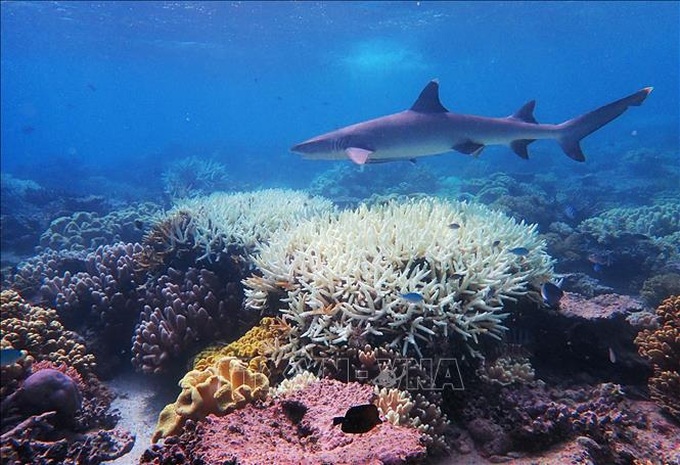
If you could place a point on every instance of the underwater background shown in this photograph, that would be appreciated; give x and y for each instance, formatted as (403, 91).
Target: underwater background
(151, 208)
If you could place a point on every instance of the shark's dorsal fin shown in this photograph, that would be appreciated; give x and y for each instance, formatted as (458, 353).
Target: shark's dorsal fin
(428, 100)
(526, 113)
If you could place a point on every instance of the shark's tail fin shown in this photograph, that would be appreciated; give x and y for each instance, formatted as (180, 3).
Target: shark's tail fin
(576, 129)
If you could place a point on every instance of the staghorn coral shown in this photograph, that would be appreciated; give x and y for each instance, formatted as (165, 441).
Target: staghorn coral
(193, 176)
(339, 279)
(39, 332)
(223, 222)
(219, 389)
(661, 347)
(296, 428)
(183, 309)
(86, 231)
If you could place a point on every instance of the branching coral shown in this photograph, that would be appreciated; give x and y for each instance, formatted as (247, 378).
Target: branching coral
(507, 370)
(227, 385)
(183, 309)
(341, 279)
(193, 176)
(102, 300)
(243, 220)
(661, 347)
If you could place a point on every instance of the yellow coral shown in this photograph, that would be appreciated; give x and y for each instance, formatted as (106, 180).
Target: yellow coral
(252, 347)
(662, 348)
(227, 385)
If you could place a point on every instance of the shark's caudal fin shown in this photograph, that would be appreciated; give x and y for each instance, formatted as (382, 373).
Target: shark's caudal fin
(576, 129)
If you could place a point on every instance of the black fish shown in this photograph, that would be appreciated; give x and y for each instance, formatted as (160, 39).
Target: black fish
(359, 419)
(551, 294)
(454, 226)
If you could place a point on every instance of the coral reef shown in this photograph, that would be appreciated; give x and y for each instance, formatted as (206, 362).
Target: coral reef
(295, 428)
(505, 371)
(661, 346)
(183, 309)
(227, 385)
(659, 287)
(86, 231)
(39, 332)
(401, 274)
(57, 416)
(193, 176)
(659, 220)
(101, 302)
(222, 222)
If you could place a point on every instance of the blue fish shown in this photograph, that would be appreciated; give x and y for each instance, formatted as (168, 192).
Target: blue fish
(521, 251)
(551, 294)
(413, 297)
(10, 356)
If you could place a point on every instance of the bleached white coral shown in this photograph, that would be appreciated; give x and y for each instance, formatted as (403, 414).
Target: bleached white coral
(297, 382)
(343, 277)
(244, 219)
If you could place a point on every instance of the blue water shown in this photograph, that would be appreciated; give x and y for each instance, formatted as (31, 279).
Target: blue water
(118, 90)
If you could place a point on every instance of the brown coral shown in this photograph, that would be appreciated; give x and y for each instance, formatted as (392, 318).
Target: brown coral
(227, 385)
(662, 348)
(39, 332)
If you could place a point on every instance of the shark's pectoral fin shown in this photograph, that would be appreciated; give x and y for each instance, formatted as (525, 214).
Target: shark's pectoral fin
(358, 155)
(469, 148)
(519, 146)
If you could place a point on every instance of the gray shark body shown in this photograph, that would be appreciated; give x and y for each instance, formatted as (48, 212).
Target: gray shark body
(428, 128)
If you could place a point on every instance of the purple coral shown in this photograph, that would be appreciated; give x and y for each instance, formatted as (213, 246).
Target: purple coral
(181, 309)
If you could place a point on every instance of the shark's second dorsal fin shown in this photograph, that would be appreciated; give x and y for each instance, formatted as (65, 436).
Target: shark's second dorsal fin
(526, 113)
(428, 100)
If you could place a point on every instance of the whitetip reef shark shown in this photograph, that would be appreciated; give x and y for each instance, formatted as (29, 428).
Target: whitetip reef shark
(428, 128)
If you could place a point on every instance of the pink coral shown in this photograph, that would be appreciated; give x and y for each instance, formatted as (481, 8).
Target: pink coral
(605, 306)
(295, 429)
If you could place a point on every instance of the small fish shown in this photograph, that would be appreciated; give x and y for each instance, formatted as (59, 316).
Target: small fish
(496, 243)
(612, 355)
(11, 356)
(521, 251)
(551, 294)
(139, 224)
(454, 226)
(359, 419)
(413, 297)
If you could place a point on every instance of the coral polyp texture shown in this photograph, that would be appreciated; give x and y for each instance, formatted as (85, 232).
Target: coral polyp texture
(402, 273)
(219, 389)
(39, 332)
(661, 347)
(661, 220)
(243, 220)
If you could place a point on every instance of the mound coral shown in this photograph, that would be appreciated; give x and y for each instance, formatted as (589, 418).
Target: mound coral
(295, 428)
(401, 274)
(658, 220)
(86, 231)
(661, 347)
(39, 332)
(218, 389)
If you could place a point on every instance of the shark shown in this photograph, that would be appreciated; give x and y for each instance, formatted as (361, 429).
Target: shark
(428, 128)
